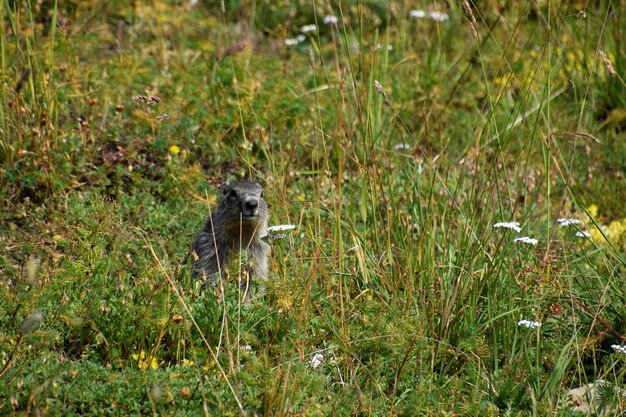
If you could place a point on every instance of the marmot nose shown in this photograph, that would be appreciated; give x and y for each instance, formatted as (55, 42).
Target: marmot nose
(250, 206)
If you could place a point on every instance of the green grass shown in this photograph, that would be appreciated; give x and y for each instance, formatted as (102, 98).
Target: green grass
(394, 164)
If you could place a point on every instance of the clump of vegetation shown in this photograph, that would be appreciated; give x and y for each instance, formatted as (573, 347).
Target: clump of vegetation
(454, 174)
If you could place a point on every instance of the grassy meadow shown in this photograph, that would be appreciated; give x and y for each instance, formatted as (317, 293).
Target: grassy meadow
(393, 135)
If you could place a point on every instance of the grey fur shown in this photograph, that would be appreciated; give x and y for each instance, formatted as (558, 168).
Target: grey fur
(238, 223)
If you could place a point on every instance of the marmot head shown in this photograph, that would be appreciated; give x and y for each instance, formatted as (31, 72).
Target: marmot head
(243, 199)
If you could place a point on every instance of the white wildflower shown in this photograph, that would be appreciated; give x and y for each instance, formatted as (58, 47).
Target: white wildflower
(379, 46)
(527, 240)
(271, 236)
(246, 348)
(401, 147)
(354, 45)
(583, 233)
(316, 360)
(417, 14)
(272, 232)
(291, 42)
(281, 228)
(438, 16)
(619, 348)
(567, 222)
(330, 20)
(308, 28)
(301, 38)
(529, 323)
(508, 225)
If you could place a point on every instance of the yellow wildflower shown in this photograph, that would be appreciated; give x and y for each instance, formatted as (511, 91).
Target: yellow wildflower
(596, 235)
(593, 210)
(616, 230)
(142, 362)
(174, 149)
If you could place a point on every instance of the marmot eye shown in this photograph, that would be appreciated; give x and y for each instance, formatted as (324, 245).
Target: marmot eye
(261, 194)
(233, 193)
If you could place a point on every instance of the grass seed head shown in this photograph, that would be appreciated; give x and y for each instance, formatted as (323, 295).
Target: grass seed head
(33, 320)
(472, 19)
(381, 91)
(156, 393)
(607, 63)
(31, 271)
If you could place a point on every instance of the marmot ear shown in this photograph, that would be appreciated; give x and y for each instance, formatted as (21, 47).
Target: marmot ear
(225, 187)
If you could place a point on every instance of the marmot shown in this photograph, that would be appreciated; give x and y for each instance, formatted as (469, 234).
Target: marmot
(238, 224)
